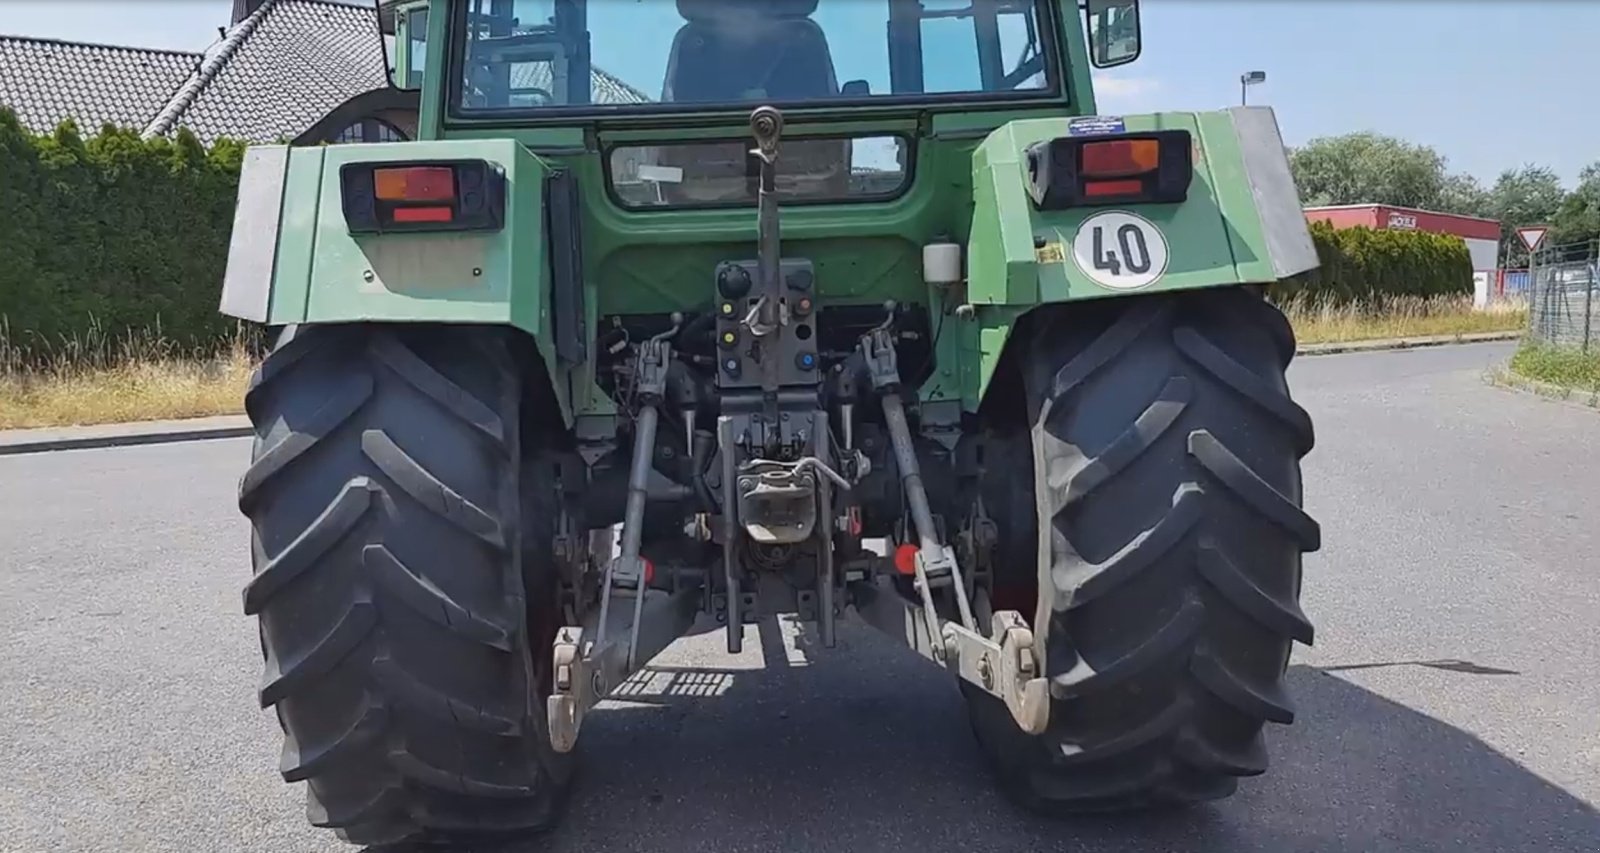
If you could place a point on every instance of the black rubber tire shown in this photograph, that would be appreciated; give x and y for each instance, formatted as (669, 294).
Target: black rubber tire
(395, 561)
(1166, 455)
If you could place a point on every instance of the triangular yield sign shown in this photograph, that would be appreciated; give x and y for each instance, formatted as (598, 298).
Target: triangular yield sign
(1532, 237)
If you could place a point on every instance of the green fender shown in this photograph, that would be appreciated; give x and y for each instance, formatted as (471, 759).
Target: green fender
(1242, 223)
(294, 260)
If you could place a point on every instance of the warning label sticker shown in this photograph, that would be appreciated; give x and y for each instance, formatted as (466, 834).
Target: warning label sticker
(1096, 126)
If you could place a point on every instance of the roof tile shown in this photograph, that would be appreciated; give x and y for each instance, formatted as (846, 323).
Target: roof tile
(276, 76)
(47, 81)
(305, 58)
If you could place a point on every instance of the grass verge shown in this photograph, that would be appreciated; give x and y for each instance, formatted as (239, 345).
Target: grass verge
(143, 377)
(1569, 368)
(1556, 372)
(1326, 323)
(103, 380)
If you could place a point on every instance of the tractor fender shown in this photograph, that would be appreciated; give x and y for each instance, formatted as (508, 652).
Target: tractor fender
(1240, 222)
(297, 256)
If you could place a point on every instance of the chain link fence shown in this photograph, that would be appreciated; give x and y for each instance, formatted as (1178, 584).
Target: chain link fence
(1563, 297)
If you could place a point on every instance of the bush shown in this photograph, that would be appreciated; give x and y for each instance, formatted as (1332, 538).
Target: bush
(1370, 267)
(112, 235)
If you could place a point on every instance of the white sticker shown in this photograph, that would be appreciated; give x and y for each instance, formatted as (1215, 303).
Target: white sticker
(1120, 250)
(660, 174)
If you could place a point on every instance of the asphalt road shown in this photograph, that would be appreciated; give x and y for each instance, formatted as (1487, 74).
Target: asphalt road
(1450, 702)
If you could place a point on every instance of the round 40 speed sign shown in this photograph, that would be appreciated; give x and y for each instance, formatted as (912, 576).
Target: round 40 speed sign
(1120, 250)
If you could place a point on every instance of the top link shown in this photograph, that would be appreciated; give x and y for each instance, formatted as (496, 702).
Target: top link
(766, 124)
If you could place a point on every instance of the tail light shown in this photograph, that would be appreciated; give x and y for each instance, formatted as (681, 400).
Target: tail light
(1124, 168)
(414, 183)
(1120, 158)
(455, 195)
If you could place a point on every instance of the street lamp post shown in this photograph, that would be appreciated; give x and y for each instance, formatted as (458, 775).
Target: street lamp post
(1246, 80)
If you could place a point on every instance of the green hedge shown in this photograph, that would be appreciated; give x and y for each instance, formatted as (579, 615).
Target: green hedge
(112, 234)
(1369, 266)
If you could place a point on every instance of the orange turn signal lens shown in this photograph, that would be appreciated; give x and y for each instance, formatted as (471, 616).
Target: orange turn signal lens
(415, 183)
(1120, 158)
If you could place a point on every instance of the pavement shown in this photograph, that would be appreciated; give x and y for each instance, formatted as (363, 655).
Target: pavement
(1448, 704)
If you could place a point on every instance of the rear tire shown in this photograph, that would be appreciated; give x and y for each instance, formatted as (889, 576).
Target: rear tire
(1168, 548)
(404, 591)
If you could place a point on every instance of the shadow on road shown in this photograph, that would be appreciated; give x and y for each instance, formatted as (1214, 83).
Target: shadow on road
(867, 751)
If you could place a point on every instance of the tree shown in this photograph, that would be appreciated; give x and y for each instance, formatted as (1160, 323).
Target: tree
(1531, 195)
(1578, 218)
(1369, 168)
(1463, 194)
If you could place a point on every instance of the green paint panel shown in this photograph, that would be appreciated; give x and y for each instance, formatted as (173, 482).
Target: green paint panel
(1231, 188)
(1197, 236)
(1214, 238)
(327, 275)
(291, 278)
(662, 261)
(450, 277)
(1020, 257)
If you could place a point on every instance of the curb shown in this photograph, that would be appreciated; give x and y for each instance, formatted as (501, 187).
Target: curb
(1504, 378)
(159, 435)
(129, 435)
(1406, 343)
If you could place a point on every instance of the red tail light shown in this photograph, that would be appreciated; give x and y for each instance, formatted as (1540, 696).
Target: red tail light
(448, 195)
(424, 214)
(1105, 189)
(1154, 167)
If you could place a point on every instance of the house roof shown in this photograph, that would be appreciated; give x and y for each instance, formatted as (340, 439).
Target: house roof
(604, 87)
(275, 73)
(279, 71)
(46, 81)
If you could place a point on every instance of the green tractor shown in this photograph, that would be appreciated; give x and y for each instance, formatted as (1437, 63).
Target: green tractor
(681, 315)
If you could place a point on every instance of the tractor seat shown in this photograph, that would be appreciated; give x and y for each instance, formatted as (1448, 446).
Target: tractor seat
(736, 50)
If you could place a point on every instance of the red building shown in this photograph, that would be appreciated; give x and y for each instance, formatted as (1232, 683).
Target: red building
(1482, 236)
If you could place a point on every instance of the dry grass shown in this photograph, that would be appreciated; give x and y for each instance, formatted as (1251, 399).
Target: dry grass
(99, 380)
(1320, 323)
(144, 377)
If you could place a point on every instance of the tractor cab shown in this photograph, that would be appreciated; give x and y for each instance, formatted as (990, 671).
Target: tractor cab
(509, 56)
(544, 63)
(729, 51)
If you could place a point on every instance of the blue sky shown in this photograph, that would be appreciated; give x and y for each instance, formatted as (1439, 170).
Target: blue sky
(1492, 84)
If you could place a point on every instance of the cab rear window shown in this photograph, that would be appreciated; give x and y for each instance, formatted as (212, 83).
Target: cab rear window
(723, 173)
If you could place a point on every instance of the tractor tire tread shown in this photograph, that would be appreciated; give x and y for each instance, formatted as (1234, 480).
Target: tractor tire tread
(1173, 533)
(386, 514)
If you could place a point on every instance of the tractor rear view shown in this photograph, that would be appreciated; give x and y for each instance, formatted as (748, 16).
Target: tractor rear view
(683, 315)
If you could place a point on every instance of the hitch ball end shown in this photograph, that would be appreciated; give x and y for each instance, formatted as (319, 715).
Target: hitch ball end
(766, 124)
